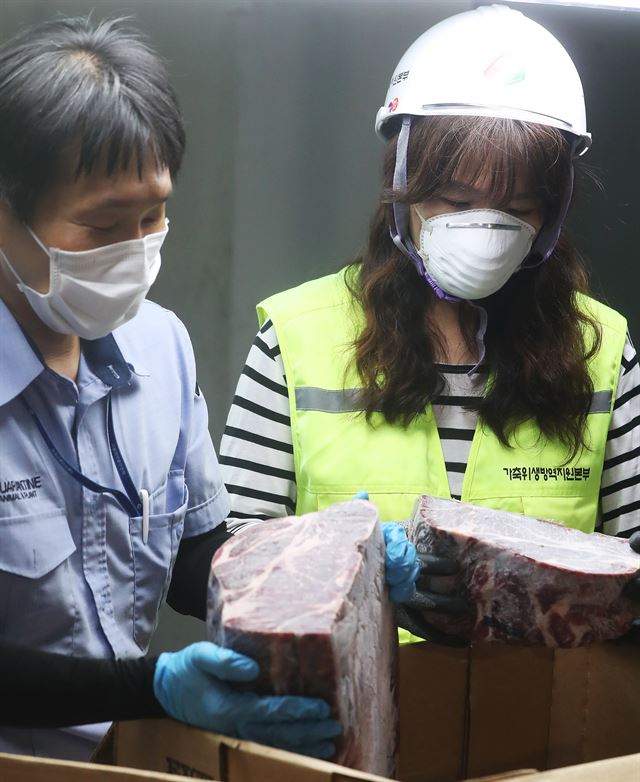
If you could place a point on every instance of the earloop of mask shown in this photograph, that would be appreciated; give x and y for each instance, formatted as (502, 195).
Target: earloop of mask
(547, 238)
(399, 232)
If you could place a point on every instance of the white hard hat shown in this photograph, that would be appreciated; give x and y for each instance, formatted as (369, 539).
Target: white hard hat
(490, 62)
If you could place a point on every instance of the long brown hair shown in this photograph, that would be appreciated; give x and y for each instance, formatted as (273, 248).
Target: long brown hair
(538, 340)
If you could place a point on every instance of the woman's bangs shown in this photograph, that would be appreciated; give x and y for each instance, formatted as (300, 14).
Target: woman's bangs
(489, 170)
(491, 154)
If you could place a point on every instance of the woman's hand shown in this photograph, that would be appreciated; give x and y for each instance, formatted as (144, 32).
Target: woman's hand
(417, 582)
(401, 562)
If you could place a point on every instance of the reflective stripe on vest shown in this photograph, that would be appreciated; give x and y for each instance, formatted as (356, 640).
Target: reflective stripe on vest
(346, 400)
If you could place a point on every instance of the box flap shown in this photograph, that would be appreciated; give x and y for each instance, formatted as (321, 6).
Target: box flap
(612, 723)
(506, 776)
(168, 746)
(509, 708)
(624, 769)
(248, 762)
(165, 745)
(19, 768)
(104, 752)
(596, 704)
(567, 725)
(433, 689)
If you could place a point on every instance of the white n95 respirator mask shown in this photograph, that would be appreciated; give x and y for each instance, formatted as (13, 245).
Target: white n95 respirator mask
(472, 254)
(92, 292)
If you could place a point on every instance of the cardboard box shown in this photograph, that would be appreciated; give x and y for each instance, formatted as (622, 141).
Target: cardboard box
(18, 768)
(15, 768)
(168, 745)
(506, 707)
(464, 713)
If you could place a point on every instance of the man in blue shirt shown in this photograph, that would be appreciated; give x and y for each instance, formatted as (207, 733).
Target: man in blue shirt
(110, 495)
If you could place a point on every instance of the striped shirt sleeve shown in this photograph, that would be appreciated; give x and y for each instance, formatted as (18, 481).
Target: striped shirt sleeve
(620, 485)
(256, 451)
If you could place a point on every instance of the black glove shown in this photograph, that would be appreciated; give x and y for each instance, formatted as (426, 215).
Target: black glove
(632, 589)
(431, 595)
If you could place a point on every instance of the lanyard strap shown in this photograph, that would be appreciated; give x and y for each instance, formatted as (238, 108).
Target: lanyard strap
(130, 502)
(119, 462)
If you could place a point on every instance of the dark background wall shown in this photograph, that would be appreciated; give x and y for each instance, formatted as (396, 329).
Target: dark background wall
(605, 47)
(282, 167)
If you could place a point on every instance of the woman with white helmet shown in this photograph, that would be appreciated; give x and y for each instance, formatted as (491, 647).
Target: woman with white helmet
(460, 356)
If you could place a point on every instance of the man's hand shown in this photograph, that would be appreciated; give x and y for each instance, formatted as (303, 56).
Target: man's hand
(193, 685)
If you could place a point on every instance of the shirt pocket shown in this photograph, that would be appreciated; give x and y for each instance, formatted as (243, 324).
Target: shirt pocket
(153, 561)
(37, 604)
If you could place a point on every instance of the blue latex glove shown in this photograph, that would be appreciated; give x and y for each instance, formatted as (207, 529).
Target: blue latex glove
(405, 567)
(401, 559)
(402, 566)
(191, 686)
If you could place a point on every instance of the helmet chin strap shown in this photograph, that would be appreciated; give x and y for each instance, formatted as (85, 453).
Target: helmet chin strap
(399, 231)
(545, 242)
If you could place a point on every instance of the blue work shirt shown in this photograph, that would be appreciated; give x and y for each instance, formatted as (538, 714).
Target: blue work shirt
(76, 576)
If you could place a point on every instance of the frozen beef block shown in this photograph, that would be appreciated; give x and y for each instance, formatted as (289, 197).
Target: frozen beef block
(306, 598)
(527, 581)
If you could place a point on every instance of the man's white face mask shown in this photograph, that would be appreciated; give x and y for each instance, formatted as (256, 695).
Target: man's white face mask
(93, 292)
(472, 254)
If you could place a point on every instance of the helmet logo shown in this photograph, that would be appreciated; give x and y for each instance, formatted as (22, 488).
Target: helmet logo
(506, 69)
(399, 77)
(393, 105)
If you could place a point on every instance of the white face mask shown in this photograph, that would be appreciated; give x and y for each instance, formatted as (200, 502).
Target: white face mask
(472, 254)
(93, 292)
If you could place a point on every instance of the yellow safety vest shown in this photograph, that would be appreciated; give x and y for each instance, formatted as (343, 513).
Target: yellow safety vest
(337, 452)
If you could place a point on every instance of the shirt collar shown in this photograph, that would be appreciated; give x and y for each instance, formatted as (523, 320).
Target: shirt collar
(21, 363)
(104, 358)
(116, 343)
